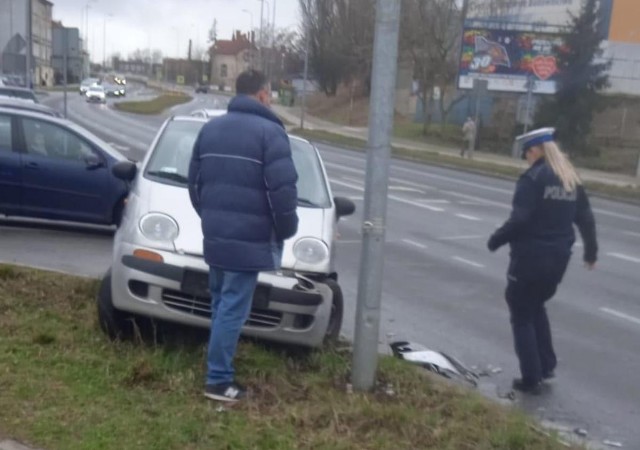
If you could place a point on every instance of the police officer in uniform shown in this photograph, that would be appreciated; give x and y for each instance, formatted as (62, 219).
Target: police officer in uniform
(548, 200)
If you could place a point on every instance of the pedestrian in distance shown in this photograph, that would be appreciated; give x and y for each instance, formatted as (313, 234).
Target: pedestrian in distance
(549, 199)
(242, 183)
(469, 130)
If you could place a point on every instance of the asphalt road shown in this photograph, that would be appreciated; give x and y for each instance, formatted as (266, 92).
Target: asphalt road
(441, 287)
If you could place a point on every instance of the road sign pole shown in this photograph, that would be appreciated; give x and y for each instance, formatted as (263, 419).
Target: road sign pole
(382, 101)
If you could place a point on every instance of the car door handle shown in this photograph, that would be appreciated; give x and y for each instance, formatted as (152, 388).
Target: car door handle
(33, 165)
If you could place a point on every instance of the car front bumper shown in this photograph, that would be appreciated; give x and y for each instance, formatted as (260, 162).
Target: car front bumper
(285, 309)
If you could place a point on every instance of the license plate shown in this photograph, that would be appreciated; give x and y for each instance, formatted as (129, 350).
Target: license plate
(195, 283)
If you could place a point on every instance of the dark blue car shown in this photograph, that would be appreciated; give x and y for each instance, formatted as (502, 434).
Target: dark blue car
(51, 168)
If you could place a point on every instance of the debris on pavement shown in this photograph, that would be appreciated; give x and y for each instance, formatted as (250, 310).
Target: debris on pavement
(434, 361)
(612, 443)
(581, 432)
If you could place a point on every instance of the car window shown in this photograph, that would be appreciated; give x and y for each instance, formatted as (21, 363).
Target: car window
(5, 134)
(51, 140)
(169, 162)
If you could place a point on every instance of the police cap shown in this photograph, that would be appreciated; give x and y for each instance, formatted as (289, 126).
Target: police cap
(533, 138)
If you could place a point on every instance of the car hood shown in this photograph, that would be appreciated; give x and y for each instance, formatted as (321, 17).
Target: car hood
(175, 202)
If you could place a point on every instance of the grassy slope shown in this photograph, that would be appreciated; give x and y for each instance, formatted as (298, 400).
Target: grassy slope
(64, 386)
(154, 106)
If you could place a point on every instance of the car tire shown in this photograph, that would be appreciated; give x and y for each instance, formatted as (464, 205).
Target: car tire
(337, 310)
(114, 323)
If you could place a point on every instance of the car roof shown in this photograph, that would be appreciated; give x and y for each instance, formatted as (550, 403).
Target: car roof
(15, 103)
(16, 89)
(205, 120)
(104, 146)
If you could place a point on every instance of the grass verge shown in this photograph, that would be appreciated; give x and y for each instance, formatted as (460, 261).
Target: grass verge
(625, 193)
(63, 385)
(154, 106)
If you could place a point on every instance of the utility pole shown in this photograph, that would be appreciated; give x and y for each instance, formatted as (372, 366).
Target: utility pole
(382, 101)
(303, 106)
(530, 86)
(65, 67)
(29, 49)
(261, 35)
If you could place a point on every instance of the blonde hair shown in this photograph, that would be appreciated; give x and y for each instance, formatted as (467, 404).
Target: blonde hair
(561, 166)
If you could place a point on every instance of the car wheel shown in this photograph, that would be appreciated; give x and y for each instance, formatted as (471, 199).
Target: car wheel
(337, 310)
(113, 323)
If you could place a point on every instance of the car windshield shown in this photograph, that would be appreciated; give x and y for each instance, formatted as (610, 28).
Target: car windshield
(169, 163)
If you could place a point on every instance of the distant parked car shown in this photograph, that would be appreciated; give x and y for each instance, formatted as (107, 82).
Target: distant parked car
(96, 94)
(54, 169)
(158, 269)
(202, 89)
(7, 102)
(19, 93)
(87, 83)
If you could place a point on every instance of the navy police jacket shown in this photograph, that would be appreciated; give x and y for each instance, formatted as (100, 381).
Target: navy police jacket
(242, 184)
(543, 215)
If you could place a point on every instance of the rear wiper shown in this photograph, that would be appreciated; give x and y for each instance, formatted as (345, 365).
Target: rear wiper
(169, 176)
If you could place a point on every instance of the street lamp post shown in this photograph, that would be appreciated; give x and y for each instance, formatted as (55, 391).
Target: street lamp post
(250, 31)
(104, 42)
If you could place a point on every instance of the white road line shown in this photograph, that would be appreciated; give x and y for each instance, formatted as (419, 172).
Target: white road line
(392, 197)
(478, 199)
(617, 215)
(360, 181)
(466, 261)
(621, 315)
(414, 243)
(406, 189)
(631, 233)
(461, 238)
(435, 200)
(624, 257)
(410, 183)
(468, 217)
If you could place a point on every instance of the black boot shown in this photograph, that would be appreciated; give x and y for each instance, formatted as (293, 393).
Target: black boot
(526, 387)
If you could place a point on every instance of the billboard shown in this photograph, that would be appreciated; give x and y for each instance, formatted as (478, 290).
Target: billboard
(13, 32)
(507, 59)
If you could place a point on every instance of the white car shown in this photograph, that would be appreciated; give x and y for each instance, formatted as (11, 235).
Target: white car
(158, 269)
(96, 93)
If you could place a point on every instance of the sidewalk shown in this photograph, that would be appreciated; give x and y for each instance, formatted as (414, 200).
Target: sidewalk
(292, 114)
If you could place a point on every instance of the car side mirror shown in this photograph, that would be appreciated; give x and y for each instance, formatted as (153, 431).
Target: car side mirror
(125, 170)
(93, 162)
(344, 206)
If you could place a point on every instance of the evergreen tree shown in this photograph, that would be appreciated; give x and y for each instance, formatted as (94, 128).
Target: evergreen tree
(581, 77)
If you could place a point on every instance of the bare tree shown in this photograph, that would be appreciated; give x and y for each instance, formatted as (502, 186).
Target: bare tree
(431, 37)
(339, 34)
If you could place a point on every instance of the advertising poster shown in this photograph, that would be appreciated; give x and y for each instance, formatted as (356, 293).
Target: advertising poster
(508, 59)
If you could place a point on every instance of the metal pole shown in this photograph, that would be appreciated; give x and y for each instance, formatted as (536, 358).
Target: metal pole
(303, 106)
(29, 49)
(104, 45)
(638, 167)
(382, 101)
(65, 67)
(530, 86)
(261, 35)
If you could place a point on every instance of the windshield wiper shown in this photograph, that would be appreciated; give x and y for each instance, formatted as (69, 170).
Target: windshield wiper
(306, 202)
(169, 176)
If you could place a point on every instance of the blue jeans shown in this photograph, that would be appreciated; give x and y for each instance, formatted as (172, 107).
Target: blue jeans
(231, 297)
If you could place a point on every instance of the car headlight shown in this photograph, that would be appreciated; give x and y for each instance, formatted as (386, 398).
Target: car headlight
(159, 227)
(310, 250)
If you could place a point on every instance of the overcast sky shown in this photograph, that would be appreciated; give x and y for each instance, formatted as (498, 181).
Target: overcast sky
(166, 24)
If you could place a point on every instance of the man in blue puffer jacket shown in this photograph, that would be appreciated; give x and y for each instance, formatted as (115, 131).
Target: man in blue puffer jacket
(242, 183)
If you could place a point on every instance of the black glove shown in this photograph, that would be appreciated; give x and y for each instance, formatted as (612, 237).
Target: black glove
(492, 245)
